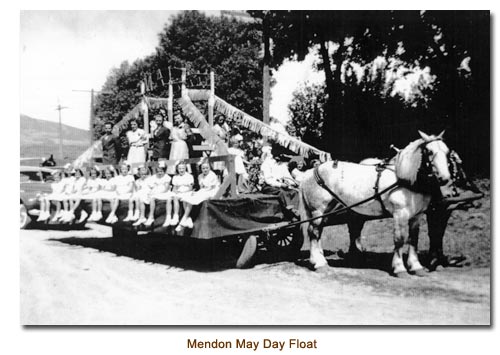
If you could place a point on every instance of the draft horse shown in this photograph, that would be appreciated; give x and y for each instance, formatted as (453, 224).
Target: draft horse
(403, 194)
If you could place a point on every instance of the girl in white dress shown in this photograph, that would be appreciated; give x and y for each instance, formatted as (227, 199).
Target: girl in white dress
(141, 195)
(160, 190)
(108, 189)
(68, 181)
(79, 189)
(94, 186)
(178, 149)
(125, 184)
(209, 185)
(55, 197)
(182, 187)
(137, 140)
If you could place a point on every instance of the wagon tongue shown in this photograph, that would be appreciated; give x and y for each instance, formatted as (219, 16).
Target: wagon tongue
(459, 198)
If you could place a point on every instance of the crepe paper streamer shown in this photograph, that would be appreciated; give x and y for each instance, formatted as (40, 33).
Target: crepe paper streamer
(255, 125)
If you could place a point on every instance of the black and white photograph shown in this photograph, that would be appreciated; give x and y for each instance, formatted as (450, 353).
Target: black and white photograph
(255, 168)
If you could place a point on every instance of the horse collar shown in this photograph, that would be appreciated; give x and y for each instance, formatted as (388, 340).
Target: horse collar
(321, 183)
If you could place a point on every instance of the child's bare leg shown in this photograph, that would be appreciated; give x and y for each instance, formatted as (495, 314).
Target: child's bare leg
(168, 207)
(42, 205)
(176, 206)
(114, 206)
(152, 206)
(187, 210)
(175, 217)
(168, 212)
(142, 210)
(76, 203)
(57, 215)
(130, 213)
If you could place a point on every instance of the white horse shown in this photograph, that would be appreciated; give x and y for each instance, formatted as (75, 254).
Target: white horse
(404, 194)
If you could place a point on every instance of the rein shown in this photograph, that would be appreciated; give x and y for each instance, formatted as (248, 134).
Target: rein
(321, 182)
(345, 208)
(380, 168)
(377, 195)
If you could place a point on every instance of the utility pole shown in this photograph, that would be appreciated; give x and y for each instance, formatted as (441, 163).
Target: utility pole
(92, 111)
(59, 108)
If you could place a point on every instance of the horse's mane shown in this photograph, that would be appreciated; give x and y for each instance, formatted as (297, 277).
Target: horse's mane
(408, 162)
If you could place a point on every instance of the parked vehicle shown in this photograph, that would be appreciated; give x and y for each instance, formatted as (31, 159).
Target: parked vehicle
(34, 180)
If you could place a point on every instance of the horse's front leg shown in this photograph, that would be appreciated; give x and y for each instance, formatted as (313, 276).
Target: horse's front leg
(401, 219)
(316, 257)
(356, 249)
(414, 266)
(437, 220)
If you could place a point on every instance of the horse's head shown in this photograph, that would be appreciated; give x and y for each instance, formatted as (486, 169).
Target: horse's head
(425, 159)
(435, 155)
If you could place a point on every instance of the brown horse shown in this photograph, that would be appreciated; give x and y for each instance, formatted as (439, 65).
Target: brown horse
(405, 193)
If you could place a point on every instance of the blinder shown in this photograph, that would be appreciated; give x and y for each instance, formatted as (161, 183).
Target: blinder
(428, 173)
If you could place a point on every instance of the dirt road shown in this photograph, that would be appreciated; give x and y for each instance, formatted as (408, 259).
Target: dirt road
(83, 277)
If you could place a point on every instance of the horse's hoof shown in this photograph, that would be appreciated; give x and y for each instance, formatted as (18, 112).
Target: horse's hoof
(320, 265)
(400, 274)
(418, 272)
(433, 264)
(321, 269)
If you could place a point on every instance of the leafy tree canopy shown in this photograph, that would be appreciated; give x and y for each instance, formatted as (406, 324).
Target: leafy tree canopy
(199, 43)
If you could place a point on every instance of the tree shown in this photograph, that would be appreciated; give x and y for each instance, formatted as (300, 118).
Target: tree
(199, 43)
(123, 83)
(307, 111)
(227, 46)
(356, 115)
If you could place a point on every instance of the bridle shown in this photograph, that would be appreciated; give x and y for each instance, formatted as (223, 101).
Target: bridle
(428, 169)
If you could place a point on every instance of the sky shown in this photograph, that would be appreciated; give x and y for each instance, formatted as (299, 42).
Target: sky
(62, 51)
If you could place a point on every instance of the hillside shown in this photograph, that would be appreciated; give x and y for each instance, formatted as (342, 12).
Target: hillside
(39, 138)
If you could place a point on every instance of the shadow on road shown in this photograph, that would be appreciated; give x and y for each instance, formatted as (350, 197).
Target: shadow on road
(186, 253)
(374, 260)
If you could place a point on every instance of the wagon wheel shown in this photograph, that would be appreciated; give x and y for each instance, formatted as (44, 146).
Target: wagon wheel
(285, 242)
(25, 219)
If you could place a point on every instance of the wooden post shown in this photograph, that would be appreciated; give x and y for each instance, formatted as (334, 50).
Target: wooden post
(183, 83)
(232, 176)
(211, 100)
(92, 117)
(170, 102)
(266, 96)
(146, 115)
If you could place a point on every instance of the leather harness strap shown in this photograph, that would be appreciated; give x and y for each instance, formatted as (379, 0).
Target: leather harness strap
(321, 182)
(379, 168)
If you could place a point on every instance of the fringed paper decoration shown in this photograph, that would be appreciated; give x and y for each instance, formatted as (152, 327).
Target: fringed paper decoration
(123, 124)
(197, 118)
(198, 95)
(255, 125)
(86, 158)
(231, 112)
(156, 102)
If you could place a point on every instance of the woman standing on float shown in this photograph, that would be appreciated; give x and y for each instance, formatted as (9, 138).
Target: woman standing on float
(179, 149)
(137, 140)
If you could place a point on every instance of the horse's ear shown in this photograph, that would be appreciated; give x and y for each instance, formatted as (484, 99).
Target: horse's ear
(424, 136)
(440, 136)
